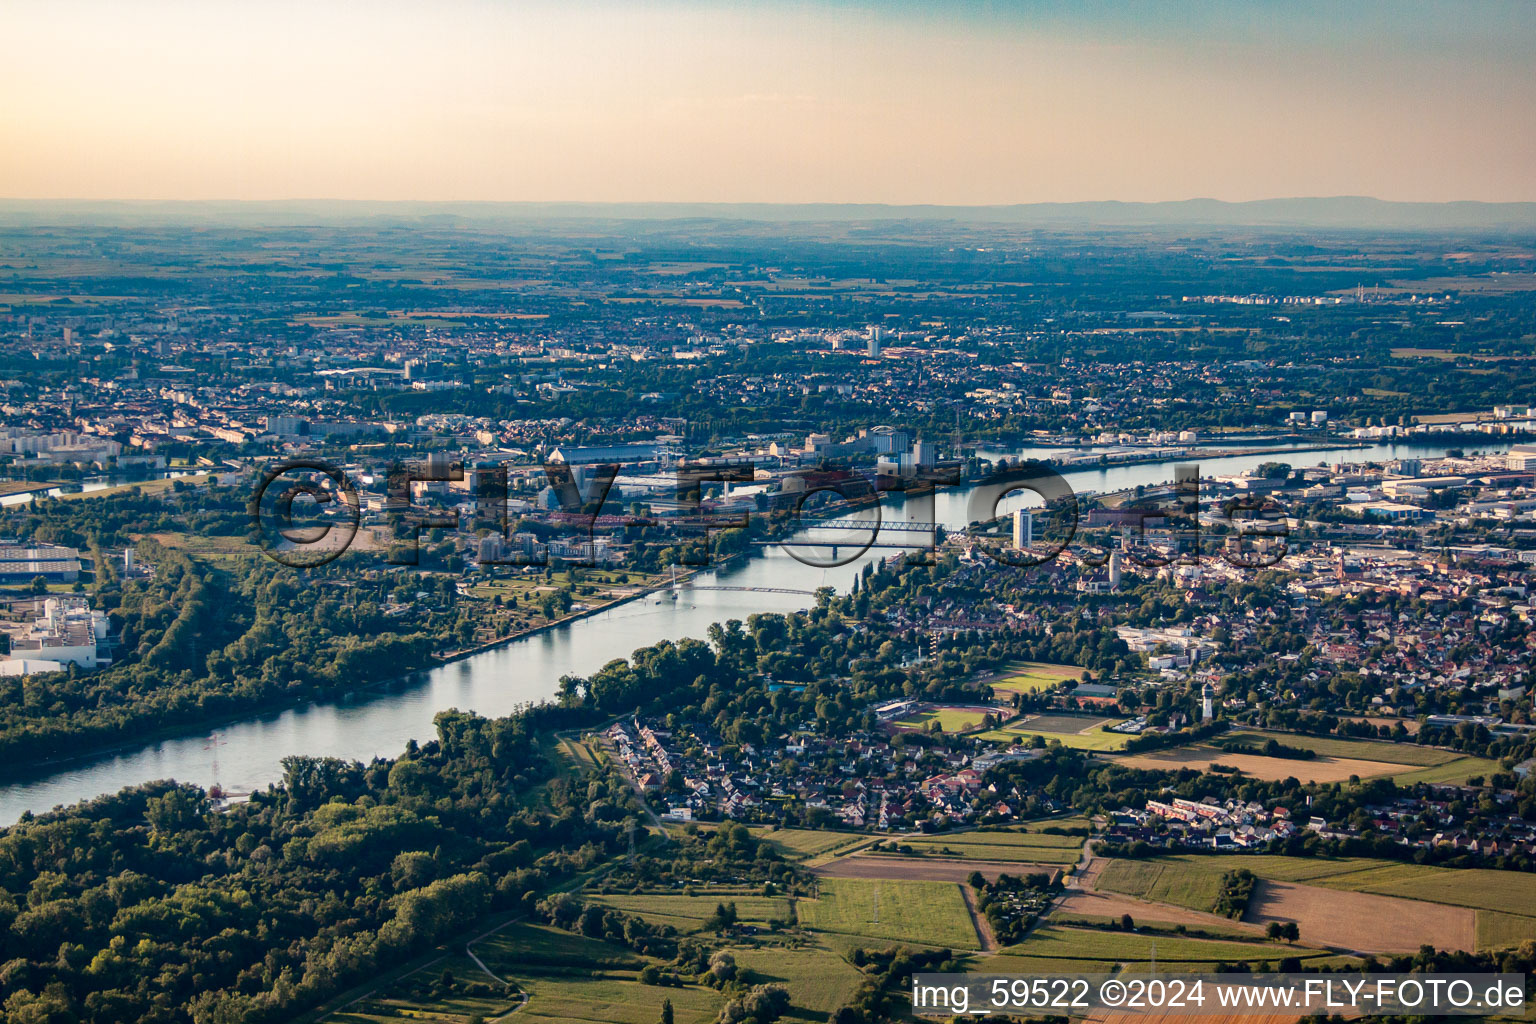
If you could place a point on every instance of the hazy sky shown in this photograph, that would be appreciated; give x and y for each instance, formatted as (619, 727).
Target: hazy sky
(921, 102)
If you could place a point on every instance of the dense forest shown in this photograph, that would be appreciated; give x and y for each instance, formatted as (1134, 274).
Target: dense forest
(150, 906)
(198, 643)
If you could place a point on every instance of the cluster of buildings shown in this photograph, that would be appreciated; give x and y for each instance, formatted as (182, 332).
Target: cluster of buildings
(1441, 818)
(69, 632)
(858, 783)
(1209, 822)
(50, 562)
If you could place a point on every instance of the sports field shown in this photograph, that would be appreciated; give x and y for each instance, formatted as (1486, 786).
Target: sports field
(952, 718)
(927, 913)
(1031, 676)
(1082, 732)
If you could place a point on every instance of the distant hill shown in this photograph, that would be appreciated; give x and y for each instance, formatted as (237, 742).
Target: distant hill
(1317, 213)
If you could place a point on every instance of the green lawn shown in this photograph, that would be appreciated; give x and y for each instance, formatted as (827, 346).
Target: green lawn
(951, 720)
(1360, 750)
(1031, 676)
(928, 913)
(1094, 739)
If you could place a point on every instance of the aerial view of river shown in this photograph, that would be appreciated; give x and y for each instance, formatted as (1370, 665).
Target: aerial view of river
(246, 754)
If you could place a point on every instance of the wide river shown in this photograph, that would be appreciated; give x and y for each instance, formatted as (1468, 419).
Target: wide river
(246, 755)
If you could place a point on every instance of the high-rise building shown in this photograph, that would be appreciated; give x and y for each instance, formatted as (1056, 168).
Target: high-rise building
(1114, 570)
(876, 335)
(1023, 528)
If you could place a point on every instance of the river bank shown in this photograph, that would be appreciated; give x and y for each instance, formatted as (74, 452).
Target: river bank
(378, 720)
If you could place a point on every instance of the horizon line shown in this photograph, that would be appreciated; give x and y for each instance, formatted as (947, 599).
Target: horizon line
(1353, 197)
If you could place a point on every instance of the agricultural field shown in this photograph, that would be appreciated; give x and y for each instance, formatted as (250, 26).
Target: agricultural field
(1164, 880)
(1454, 773)
(1200, 758)
(923, 869)
(1075, 821)
(688, 913)
(220, 549)
(449, 991)
(800, 844)
(572, 978)
(611, 998)
(1504, 901)
(1100, 907)
(1031, 676)
(521, 945)
(1027, 847)
(1362, 921)
(1358, 750)
(1082, 732)
(1059, 942)
(925, 913)
(1502, 931)
(805, 844)
(819, 980)
(1510, 892)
